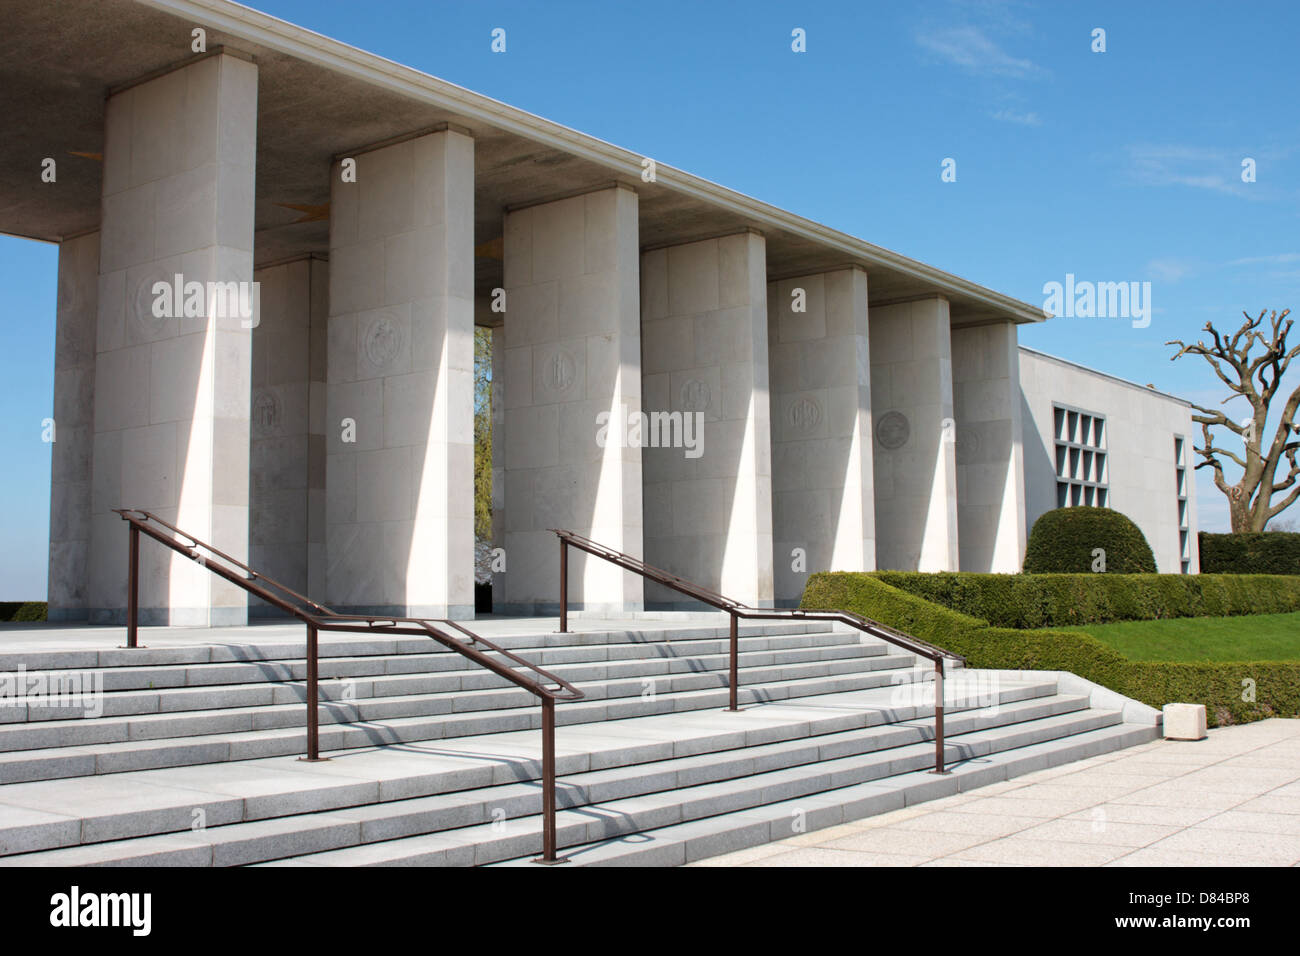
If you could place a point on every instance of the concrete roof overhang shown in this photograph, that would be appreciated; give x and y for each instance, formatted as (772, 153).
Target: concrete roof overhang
(319, 99)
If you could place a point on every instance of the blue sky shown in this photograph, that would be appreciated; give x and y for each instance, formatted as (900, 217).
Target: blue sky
(1115, 166)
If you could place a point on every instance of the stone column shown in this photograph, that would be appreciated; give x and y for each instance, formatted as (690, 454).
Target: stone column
(287, 496)
(914, 455)
(989, 449)
(172, 377)
(572, 364)
(498, 458)
(708, 508)
(399, 418)
(823, 512)
(74, 428)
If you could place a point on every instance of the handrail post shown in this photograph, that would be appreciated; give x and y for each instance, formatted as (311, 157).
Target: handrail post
(133, 588)
(548, 856)
(938, 716)
(564, 586)
(735, 669)
(313, 696)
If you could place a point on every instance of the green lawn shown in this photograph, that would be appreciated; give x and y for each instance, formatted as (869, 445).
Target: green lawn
(1253, 637)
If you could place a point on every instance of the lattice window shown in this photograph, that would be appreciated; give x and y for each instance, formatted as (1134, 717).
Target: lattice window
(1082, 469)
(1184, 519)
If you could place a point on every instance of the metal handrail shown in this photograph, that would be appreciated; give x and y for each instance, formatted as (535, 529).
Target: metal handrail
(736, 610)
(548, 687)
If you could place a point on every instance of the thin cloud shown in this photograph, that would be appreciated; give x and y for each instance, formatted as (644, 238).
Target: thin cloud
(1267, 260)
(971, 49)
(1170, 269)
(1216, 170)
(1020, 119)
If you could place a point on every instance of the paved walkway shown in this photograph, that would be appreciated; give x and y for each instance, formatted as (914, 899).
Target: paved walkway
(1230, 800)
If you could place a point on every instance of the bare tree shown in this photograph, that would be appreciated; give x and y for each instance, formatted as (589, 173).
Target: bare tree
(1256, 379)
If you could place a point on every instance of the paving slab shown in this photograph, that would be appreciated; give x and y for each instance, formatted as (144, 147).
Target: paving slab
(925, 844)
(1287, 824)
(1018, 849)
(975, 824)
(825, 856)
(1173, 794)
(1136, 813)
(1250, 847)
(1099, 831)
(1024, 804)
(1271, 803)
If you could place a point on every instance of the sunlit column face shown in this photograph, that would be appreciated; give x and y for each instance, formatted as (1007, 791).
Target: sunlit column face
(820, 371)
(914, 434)
(177, 312)
(988, 443)
(708, 454)
(399, 392)
(572, 387)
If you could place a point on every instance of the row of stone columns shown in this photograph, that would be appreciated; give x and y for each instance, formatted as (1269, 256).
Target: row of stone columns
(831, 435)
(788, 476)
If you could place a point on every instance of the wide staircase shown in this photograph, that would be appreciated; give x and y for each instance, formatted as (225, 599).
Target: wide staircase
(194, 758)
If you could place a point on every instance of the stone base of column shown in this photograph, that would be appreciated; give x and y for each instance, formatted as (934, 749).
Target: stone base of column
(439, 612)
(173, 616)
(552, 608)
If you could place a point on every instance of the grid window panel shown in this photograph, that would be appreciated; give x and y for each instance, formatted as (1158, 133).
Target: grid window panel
(1184, 513)
(1081, 461)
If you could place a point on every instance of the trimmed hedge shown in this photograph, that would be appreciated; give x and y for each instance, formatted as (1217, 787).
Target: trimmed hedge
(1262, 552)
(1028, 601)
(22, 611)
(1216, 685)
(1062, 542)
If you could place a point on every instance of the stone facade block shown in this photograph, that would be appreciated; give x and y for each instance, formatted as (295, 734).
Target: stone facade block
(1184, 721)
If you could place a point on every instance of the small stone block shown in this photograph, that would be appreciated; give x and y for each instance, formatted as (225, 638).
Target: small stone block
(1184, 721)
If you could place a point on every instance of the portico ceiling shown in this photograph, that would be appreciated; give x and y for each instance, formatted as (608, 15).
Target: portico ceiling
(319, 99)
